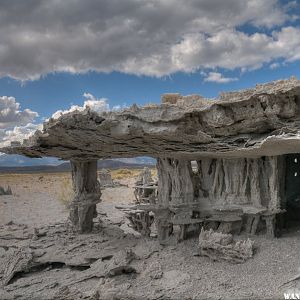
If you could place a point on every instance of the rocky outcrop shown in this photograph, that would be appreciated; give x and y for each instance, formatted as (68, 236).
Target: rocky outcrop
(250, 123)
(227, 137)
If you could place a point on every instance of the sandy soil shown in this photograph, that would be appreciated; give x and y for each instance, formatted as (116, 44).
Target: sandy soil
(40, 199)
(34, 200)
(170, 272)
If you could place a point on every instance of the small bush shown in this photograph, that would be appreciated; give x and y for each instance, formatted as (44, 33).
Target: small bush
(124, 173)
(127, 173)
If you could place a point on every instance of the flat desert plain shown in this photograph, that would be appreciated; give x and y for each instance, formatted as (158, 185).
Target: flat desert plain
(42, 198)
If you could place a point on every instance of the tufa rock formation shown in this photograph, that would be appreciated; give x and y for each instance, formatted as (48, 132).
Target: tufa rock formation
(105, 178)
(219, 246)
(250, 123)
(243, 144)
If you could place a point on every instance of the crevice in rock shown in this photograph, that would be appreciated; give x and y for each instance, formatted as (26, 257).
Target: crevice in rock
(108, 257)
(121, 270)
(79, 268)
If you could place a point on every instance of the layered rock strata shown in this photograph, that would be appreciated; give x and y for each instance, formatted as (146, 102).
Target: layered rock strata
(250, 123)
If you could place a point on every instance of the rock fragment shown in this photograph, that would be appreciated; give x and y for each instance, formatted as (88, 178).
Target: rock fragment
(219, 246)
(19, 261)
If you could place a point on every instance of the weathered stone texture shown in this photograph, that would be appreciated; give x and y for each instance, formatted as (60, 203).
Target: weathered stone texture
(250, 123)
(219, 246)
(175, 182)
(240, 181)
(144, 177)
(105, 178)
(87, 195)
(236, 141)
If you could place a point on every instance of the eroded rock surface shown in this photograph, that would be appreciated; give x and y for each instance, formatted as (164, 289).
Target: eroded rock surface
(53, 262)
(220, 246)
(249, 123)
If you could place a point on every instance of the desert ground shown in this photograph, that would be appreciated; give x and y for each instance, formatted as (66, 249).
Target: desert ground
(115, 262)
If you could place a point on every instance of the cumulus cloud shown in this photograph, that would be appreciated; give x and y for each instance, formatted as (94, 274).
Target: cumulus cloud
(232, 49)
(98, 105)
(11, 113)
(219, 78)
(143, 37)
(15, 124)
(274, 65)
(17, 133)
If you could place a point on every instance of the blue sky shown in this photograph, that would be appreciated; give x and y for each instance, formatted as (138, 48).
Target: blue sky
(59, 91)
(52, 53)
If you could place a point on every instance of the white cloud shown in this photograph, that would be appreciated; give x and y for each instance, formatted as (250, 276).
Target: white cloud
(18, 133)
(219, 78)
(59, 113)
(15, 124)
(11, 115)
(232, 49)
(98, 105)
(274, 65)
(143, 37)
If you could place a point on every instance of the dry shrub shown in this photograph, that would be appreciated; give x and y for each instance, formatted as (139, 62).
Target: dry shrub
(66, 192)
(127, 173)
(122, 173)
(153, 172)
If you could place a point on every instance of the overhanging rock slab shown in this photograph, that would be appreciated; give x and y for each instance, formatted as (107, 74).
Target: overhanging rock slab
(263, 121)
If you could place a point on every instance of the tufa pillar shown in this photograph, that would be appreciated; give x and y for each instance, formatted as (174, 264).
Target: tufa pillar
(87, 194)
(175, 187)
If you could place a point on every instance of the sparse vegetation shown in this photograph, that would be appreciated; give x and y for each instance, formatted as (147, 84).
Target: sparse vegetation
(66, 193)
(123, 173)
(153, 172)
(126, 173)
(6, 191)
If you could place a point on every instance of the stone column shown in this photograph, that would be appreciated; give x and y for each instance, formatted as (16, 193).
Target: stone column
(175, 181)
(87, 194)
(164, 181)
(175, 187)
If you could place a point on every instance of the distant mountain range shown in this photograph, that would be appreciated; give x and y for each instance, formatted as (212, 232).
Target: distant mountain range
(21, 161)
(20, 164)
